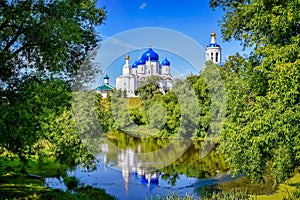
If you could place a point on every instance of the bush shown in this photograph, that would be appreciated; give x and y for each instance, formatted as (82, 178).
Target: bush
(71, 182)
(89, 192)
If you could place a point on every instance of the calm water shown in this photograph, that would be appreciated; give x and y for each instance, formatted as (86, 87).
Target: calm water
(135, 168)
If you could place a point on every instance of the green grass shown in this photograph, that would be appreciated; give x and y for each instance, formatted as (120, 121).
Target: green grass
(266, 190)
(16, 184)
(284, 190)
(213, 196)
(244, 184)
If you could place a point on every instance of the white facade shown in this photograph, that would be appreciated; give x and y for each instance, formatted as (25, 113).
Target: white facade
(213, 50)
(148, 65)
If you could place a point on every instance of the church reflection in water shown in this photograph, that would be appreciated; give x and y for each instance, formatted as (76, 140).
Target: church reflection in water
(131, 167)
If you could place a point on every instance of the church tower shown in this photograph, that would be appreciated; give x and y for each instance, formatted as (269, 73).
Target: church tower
(213, 50)
(106, 79)
(127, 67)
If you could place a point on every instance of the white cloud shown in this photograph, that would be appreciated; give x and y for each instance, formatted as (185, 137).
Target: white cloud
(143, 5)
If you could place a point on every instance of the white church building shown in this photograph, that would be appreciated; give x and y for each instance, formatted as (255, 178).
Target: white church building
(149, 65)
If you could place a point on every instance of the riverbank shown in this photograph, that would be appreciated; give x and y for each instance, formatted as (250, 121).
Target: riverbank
(284, 190)
(27, 182)
(265, 191)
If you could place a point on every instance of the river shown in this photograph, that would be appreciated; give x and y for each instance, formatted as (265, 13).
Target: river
(141, 168)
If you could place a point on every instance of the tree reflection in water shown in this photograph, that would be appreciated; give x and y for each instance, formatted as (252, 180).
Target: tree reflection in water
(128, 152)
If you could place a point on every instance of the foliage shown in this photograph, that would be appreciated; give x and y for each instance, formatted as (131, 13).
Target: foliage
(21, 119)
(44, 37)
(163, 111)
(209, 89)
(214, 196)
(43, 44)
(71, 182)
(174, 196)
(227, 195)
(120, 112)
(81, 193)
(91, 193)
(15, 185)
(193, 108)
(257, 22)
(39, 117)
(103, 112)
(244, 184)
(148, 89)
(261, 133)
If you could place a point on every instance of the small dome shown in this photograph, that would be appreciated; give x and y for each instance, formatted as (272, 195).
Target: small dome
(150, 54)
(106, 77)
(165, 62)
(135, 64)
(141, 61)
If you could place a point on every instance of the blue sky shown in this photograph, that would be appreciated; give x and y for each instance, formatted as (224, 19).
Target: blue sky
(193, 18)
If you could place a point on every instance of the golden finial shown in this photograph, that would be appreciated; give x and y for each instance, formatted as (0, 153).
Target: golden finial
(213, 34)
(127, 57)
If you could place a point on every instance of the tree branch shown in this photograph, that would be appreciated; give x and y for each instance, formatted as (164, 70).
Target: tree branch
(11, 42)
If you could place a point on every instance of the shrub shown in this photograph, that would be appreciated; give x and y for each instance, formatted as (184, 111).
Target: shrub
(71, 182)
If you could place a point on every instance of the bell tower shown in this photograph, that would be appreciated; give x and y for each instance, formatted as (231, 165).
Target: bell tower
(213, 50)
(127, 67)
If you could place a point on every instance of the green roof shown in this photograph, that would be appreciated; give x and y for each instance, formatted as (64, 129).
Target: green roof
(104, 87)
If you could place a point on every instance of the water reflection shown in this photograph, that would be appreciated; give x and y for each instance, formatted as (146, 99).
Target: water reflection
(132, 167)
(125, 171)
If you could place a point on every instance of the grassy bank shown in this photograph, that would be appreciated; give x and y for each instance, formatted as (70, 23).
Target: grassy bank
(18, 181)
(284, 190)
(263, 191)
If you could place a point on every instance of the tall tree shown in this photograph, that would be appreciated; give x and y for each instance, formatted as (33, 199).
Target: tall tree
(44, 37)
(42, 45)
(262, 133)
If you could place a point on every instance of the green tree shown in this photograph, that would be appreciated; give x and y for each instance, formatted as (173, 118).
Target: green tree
(44, 37)
(149, 88)
(40, 113)
(120, 112)
(261, 134)
(43, 44)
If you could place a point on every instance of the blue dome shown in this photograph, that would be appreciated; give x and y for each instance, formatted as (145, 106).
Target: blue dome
(213, 45)
(150, 53)
(141, 61)
(165, 62)
(135, 64)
